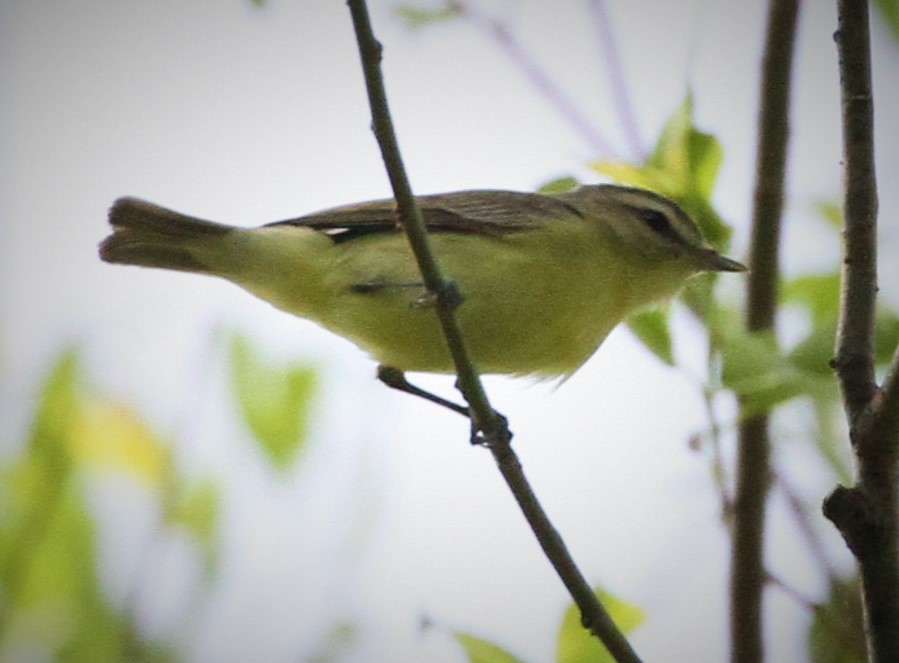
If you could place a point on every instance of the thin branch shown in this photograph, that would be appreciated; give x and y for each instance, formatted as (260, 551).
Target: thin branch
(867, 515)
(840, 630)
(804, 522)
(753, 456)
(854, 361)
(491, 423)
(555, 95)
(620, 92)
(442, 291)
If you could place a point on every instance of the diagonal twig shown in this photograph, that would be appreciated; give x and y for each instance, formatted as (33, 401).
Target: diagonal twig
(551, 91)
(446, 298)
(621, 96)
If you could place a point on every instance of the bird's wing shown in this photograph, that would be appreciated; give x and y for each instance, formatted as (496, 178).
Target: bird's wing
(468, 212)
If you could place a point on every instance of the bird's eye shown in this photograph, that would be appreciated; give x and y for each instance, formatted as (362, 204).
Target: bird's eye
(656, 220)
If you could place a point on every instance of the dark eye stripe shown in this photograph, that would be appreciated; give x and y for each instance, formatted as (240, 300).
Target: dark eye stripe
(656, 220)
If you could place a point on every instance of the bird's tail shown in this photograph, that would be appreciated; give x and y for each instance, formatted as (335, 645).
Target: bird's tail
(152, 236)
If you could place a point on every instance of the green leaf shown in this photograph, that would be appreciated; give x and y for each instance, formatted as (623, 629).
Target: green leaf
(812, 355)
(837, 633)
(414, 16)
(690, 156)
(111, 436)
(754, 369)
(651, 327)
(49, 582)
(889, 12)
(819, 294)
(479, 650)
(831, 212)
(34, 487)
(59, 404)
(559, 185)
(196, 508)
(275, 401)
(684, 167)
(576, 645)
(886, 335)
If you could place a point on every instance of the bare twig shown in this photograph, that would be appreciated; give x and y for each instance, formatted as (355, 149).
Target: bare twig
(840, 630)
(555, 95)
(752, 475)
(620, 93)
(442, 291)
(867, 515)
(491, 423)
(804, 523)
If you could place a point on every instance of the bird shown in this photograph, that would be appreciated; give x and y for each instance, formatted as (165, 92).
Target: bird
(544, 278)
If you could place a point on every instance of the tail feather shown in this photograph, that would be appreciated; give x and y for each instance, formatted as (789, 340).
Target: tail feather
(152, 236)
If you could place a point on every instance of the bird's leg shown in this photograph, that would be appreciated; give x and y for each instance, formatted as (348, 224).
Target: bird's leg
(396, 379)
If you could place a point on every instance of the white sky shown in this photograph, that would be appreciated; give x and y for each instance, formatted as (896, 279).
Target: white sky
(247, 116)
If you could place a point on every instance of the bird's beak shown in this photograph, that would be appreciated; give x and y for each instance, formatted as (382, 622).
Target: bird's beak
(715, 262)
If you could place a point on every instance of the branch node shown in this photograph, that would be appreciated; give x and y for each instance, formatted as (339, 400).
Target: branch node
(853, 514)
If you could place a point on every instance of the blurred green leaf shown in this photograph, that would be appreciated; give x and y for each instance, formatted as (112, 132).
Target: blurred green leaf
(559, 185)
(886, 335)
(831, 212)
(813, 354)
(830, 436)
(651, 327)
(754, 369)
(337, 644)
(819, 294)
(889, 12)
(837, 633)
(196, 508)
(110, 436)
(34, 486)
(479, 650)
(48, 568)
(62, 596)
(692, 158)
(684, 167)
(52, 598)
(275, 401)
(575, 644)
(417, 16)
(59, 402)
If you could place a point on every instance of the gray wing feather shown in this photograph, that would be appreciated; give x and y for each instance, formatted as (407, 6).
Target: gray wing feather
(475, 212)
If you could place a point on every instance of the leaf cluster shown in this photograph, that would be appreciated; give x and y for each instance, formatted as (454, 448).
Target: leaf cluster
(53, 592)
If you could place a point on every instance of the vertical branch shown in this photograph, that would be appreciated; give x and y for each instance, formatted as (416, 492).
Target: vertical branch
(854, 361)
(867, 515)
(752, 475)
(496, 433)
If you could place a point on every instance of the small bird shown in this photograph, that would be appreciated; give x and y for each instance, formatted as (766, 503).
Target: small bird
(544, 278)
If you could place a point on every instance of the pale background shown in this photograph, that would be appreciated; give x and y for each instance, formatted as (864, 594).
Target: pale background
(246, 116)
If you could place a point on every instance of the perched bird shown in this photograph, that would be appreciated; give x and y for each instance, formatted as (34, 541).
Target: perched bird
(544, 278)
